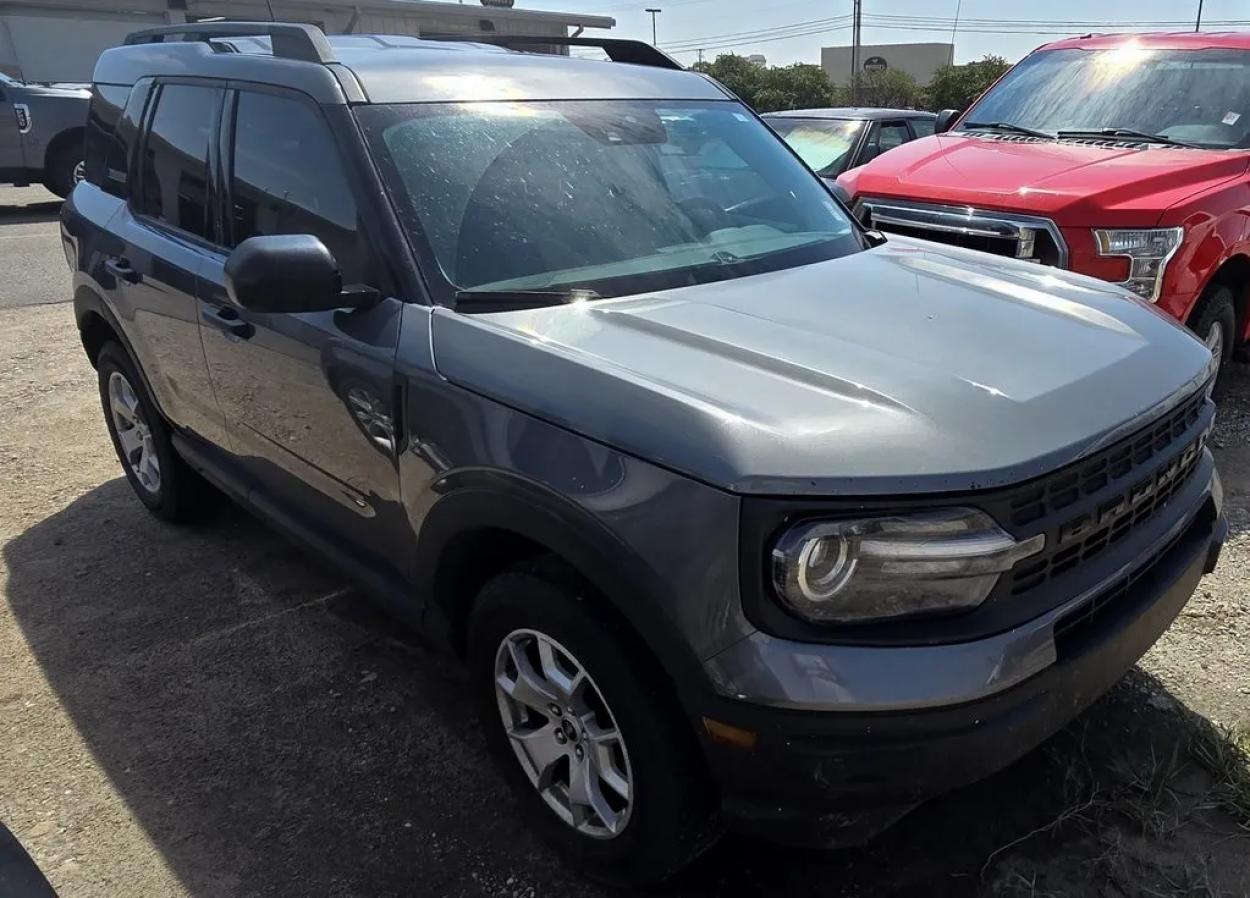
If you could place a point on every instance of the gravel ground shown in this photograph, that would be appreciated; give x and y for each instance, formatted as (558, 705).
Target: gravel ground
(208, 712)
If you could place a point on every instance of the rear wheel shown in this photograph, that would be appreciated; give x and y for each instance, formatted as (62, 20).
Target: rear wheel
(585, 733)
(160, 478)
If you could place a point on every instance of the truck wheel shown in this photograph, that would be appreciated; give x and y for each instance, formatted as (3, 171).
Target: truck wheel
(587, 737)
(65, 169)
(164, 483)
(1215, 322)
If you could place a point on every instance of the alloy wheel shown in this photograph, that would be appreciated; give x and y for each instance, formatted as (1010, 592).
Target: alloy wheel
(133, 433)
(564, 734)
(79, 173)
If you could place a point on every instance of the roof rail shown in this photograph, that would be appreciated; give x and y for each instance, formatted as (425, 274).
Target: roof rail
(290, 40)
(618, 49)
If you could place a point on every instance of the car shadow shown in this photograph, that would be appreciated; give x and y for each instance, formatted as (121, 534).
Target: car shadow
(275, 735)
(30, 213)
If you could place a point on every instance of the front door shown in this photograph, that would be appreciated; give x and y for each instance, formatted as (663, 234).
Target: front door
(12, 121)
(309, 398)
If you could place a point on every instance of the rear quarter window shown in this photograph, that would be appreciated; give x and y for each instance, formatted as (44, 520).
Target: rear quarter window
(108, 101)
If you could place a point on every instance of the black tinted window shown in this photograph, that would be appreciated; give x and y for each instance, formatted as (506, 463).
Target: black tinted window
(288, 178)
(174, 183)
(107, 103)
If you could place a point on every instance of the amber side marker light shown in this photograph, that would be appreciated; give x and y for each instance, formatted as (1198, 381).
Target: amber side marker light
(730, 735)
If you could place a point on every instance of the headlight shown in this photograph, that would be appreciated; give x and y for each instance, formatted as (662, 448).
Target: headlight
(1148, 251)
(888, 567)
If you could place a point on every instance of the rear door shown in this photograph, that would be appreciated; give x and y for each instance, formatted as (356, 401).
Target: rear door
(309, 398)
(166, 233)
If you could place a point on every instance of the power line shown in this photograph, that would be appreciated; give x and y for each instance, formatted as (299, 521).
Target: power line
(761, 32)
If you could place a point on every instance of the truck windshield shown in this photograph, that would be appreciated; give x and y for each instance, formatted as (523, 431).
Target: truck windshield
(1197, 97)
(824, 144)
(609, 197)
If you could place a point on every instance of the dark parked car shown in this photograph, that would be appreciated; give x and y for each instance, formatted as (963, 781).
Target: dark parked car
(41, 134)
(738, 515)
(832, 141)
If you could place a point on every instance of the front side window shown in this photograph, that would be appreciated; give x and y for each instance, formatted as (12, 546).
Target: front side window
(1200, 97)
(615, 197)
(288, 178)
(174, 180)
(824, 144)
(923, 127)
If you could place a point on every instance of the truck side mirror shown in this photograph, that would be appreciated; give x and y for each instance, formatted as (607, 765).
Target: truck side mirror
(944, 120)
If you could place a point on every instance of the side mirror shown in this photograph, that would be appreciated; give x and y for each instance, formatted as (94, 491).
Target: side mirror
(286, 273)
(944, 120)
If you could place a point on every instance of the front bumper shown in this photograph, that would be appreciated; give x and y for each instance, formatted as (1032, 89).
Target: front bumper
(819, 776)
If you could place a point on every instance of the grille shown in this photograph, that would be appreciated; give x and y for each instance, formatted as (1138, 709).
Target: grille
(1001, 233)
(1103, 499)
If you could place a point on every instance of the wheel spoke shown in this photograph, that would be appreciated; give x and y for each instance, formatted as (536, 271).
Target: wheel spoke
(528, 688)
(130, 440)
(541, 748)
(554, 672)
(585, 794)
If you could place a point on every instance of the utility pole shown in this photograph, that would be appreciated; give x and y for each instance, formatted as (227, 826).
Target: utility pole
(958, 5)
(856, 22)
(1198, 21)
(653, 12)
(700, 54)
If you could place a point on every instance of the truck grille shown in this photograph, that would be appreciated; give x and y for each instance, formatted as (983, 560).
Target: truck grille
(1097, 502)
(1002, 233)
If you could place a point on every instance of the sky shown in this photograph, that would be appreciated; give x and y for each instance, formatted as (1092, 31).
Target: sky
(789, 31)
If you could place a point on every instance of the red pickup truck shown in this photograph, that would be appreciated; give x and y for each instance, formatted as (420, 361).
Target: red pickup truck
(1124, 157)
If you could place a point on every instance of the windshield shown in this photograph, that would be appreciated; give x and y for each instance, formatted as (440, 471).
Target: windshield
(1199, 97)
(614, 197)
(824, 144)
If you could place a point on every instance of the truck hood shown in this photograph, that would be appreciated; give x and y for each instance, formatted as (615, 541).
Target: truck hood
(1076, 184)
(71, 91)
(910, 367)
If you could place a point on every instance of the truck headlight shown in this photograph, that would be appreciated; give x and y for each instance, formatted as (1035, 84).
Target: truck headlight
(875, 568)
(1148, 251)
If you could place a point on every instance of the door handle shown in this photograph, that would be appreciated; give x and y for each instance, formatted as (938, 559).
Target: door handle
(120, 269)
(225, 318)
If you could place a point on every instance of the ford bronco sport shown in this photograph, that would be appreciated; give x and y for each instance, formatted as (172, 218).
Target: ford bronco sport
(1125, 157)
(738, 515)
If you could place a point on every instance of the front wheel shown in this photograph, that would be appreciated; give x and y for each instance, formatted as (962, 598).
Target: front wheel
(65, 169)
(586, 734)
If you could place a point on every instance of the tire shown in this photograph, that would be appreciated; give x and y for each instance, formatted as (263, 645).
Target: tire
(669, 818)
(163, 482)
(1214, 313)
(64, 169)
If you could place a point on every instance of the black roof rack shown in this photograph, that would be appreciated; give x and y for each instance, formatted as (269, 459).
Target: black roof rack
(290, 40)
(618, 49)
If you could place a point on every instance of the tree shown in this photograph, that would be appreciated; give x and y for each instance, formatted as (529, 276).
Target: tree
(890, 88)
(958, 86)
(771, 88)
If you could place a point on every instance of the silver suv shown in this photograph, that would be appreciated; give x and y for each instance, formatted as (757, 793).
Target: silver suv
(739, 515)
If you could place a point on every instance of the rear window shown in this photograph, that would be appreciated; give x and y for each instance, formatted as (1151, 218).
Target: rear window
(173, 186)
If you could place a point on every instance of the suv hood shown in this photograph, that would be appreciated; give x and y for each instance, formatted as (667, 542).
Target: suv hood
(910, 367)
(1077, 184)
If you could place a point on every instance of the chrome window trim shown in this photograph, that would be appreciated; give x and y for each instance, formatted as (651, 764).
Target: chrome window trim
(964, 220)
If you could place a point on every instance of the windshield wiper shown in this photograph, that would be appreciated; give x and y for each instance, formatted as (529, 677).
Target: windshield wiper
(1006, 126)
(514, 300)
(1127, 132)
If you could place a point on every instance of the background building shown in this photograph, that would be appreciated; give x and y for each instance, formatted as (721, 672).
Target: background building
(59, 40)
(918, 60)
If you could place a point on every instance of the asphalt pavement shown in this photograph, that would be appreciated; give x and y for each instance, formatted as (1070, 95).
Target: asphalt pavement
(32, 263)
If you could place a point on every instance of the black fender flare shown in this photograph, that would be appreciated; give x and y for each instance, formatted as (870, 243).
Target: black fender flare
(475, 499)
